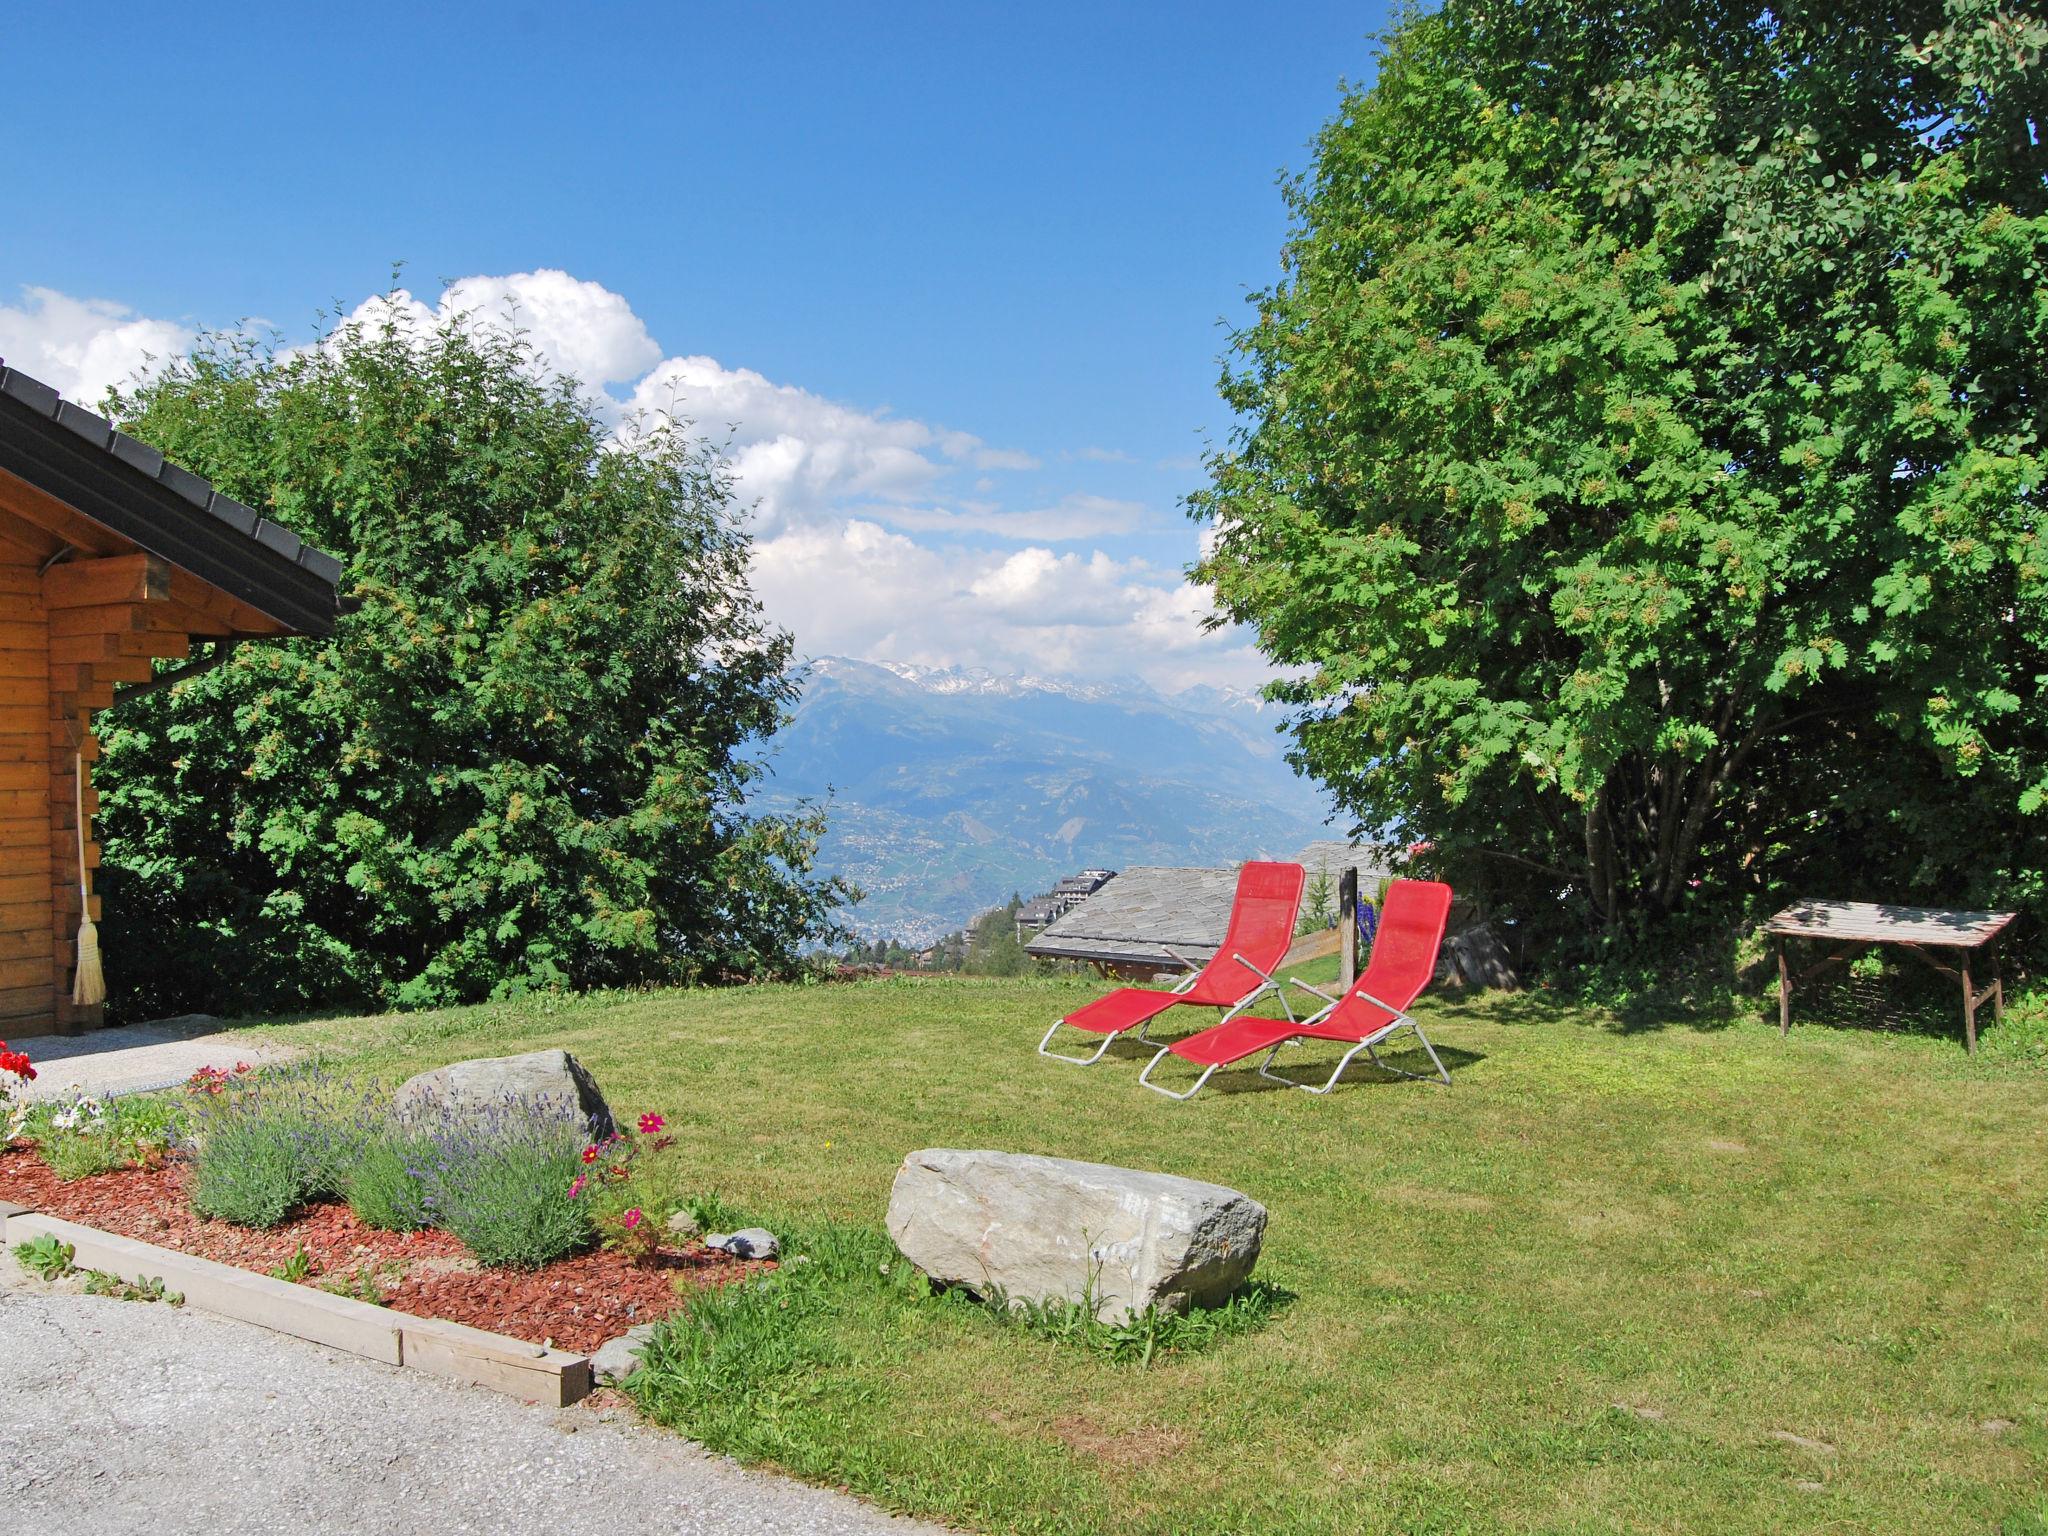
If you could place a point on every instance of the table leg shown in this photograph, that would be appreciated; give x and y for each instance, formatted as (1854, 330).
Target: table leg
(1969, 1005)
(1784, 993)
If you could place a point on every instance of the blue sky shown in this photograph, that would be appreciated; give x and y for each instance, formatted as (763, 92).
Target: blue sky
(952, 274)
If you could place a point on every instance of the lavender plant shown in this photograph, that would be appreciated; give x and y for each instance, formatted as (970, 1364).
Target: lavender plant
(269, 1143)
(498, 1178)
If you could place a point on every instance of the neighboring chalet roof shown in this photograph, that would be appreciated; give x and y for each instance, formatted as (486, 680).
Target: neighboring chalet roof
(64, 454)
(1042, 910)
(1334, 857)
(1135, 918)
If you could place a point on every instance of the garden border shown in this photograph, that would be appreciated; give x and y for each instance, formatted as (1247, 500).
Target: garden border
(553, 1377)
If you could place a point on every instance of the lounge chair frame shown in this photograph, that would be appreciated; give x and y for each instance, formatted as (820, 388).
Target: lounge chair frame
(1402, 1019)
(1267, 983)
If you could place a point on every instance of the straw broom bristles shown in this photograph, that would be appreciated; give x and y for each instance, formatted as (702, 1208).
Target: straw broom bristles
(88, 985)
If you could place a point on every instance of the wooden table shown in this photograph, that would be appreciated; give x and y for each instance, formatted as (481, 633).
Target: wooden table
(1856, 925)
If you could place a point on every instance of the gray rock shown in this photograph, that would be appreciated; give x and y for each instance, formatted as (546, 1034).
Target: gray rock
(753, 1243)
(683, 1225)
(747, 1243)
(620, 1357)
(553, 1079)
(1480, 959)
(1046, 1228)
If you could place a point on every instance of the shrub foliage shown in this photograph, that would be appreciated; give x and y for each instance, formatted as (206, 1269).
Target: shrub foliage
(1641, 456)
(521, 761)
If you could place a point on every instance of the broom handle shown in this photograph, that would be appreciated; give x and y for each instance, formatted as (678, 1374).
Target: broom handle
(78, 786)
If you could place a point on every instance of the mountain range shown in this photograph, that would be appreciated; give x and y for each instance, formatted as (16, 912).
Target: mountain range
(952, 788)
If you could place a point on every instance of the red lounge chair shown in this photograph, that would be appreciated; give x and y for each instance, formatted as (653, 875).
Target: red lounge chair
(1403, 961)
(1261, 931)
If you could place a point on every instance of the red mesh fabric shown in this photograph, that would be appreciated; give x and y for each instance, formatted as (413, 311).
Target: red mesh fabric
(1262, 917)
(1125, 1008)
(1241, 1037)
(1403, 959)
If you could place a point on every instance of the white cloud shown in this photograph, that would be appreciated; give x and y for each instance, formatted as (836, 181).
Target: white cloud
(841, 492)
(860, 589)
(81, 347)
(1074, 517)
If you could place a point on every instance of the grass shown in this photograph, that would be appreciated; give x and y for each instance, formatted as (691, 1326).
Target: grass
(1591, 1287)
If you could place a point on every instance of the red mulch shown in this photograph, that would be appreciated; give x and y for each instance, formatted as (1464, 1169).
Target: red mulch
(576, 1303)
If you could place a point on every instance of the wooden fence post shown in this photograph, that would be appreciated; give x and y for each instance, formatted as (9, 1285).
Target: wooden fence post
(1347, 929)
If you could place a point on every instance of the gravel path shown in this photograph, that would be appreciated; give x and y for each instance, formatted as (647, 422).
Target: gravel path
(132, 1417)
(137, 1057)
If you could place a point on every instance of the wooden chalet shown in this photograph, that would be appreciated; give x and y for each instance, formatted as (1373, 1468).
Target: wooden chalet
(111, 560)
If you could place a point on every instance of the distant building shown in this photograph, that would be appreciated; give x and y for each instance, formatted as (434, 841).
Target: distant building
(1041, 911)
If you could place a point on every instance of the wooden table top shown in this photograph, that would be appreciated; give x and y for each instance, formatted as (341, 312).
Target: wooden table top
(1877, 922)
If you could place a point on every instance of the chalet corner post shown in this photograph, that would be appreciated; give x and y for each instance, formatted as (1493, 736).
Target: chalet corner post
(111, 560)
(1347, 929)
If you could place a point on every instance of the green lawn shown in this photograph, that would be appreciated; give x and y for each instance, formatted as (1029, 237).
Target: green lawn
(1587, 1288)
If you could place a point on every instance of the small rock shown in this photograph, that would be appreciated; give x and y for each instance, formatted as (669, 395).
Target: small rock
(748, 1243)
(683, 1225)
(620, 1357)
(1803, 1442)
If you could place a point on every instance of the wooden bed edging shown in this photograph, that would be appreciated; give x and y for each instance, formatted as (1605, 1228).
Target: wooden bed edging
(553, 1377)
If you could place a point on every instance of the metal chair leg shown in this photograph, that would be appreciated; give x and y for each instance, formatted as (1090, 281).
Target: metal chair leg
(1078, 1061)
(1422, 1077)
(1146, 1076)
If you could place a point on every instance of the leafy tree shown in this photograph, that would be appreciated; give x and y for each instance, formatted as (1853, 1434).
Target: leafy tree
(1641, 454)
(521, 761)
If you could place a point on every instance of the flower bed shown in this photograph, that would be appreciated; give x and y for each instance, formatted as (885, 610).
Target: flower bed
(576, 1302)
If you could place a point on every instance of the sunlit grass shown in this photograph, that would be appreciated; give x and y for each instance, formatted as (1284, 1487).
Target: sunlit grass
(1592, 1286)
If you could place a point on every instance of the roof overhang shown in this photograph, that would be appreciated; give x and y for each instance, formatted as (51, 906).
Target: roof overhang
(129, 489)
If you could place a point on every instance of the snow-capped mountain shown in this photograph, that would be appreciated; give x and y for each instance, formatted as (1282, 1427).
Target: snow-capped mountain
(952, 788)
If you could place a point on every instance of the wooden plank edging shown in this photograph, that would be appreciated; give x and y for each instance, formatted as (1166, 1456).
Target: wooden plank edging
(553, 1377)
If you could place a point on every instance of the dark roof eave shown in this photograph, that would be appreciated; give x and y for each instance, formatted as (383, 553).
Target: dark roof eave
(131, 490)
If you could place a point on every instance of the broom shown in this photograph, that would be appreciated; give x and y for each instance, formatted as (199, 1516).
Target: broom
(88, 986)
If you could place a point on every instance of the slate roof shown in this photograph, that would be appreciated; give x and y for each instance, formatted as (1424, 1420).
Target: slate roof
(1133, 918)
(1140, 912)
(1334, 856)
(132, 490)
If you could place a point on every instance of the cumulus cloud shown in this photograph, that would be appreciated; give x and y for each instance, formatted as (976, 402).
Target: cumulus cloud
(82, 347)
(840, 492)
(1074, 517)
(864, 590)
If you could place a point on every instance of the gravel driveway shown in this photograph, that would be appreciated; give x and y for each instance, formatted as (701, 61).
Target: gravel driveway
(123, 1416)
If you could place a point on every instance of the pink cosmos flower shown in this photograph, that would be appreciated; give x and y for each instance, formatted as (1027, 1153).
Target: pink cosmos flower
(576, 1186)
(649, 1124)
(631, 1219)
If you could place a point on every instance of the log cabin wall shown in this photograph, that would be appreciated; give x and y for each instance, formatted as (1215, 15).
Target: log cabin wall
(28, 942)
(111, 560)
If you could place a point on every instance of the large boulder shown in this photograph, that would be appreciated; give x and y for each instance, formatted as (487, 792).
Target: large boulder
(552, 1082)
(1047, 1228)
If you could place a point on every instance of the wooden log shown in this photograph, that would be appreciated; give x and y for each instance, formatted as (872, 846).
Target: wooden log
(135, 578)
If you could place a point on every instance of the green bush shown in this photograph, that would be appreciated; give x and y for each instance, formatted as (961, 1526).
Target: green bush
(267, 1146)
(384, 1187)
(500, 1182)
(79, 1137)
